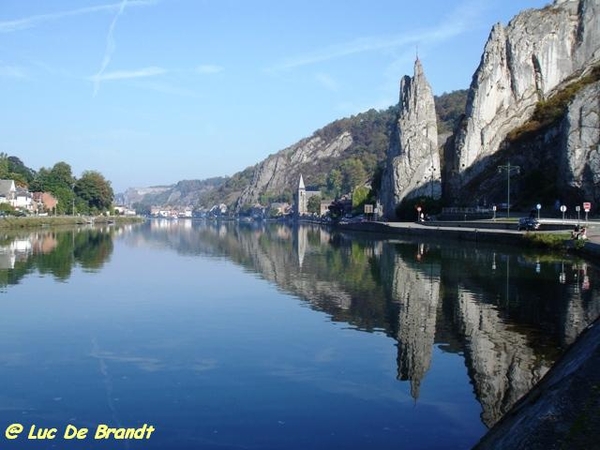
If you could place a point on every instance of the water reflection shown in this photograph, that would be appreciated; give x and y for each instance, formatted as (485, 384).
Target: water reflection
(509, 312)
(53, 252)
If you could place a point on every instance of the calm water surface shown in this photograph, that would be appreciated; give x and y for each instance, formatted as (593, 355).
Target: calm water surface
(264, 337)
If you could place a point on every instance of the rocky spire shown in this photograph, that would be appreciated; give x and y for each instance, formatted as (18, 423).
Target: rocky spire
(413, 161)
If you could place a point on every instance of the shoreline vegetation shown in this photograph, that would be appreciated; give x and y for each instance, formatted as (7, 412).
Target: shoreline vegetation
(32, 222)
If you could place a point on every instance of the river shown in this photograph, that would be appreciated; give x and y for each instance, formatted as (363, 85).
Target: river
(194, 335)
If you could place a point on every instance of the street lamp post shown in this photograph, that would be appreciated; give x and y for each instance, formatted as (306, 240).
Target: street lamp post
(509, 170)
(432, 170)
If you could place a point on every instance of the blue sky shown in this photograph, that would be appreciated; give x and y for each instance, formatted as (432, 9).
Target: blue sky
(151, 92)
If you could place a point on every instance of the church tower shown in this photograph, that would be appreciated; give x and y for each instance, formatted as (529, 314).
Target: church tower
(301, 205)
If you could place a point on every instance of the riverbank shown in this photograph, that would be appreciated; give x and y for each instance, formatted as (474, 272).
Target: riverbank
(32, 222)
(553, 235)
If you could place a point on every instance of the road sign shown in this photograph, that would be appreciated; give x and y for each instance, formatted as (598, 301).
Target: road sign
(578, 208)
(419, 208)
(587, 206)
(368, 209)
(538, 206)
(563, 208)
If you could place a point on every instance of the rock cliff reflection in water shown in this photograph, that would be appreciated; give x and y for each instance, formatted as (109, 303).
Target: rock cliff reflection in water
(227, 336)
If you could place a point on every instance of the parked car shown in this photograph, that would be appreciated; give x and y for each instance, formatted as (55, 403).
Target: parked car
(528, 224)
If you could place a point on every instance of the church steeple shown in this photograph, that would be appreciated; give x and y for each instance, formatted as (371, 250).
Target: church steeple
(301, 203)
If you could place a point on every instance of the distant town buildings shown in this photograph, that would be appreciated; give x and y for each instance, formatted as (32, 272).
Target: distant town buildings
(308, 204)
(124, 211)
(172, 213)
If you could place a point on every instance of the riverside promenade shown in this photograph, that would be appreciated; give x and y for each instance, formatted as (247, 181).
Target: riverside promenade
(499, 231)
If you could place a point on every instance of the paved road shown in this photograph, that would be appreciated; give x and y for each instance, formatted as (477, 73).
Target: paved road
(592, 244)
(497, 228)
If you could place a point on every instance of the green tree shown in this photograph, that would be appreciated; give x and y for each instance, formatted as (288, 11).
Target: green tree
(65, 198)
(360, 195)
(61, 175)
(142, 208)
(313, 205)
(59, 182)
(334, 183)
(3, 166)
(353, 174)
(40, 181)
(95, 191)
(19, 172)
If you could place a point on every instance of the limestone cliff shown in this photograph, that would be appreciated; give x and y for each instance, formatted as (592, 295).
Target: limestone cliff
(413, 161)
(579, 167)
(183, 193)
(282, 170)
(522, 64)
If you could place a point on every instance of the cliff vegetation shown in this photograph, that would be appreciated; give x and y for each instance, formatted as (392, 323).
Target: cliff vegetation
(552, 109)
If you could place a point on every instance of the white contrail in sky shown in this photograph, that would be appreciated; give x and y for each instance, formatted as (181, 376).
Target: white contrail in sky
(10, 26)
(127, 74)
(110, 48)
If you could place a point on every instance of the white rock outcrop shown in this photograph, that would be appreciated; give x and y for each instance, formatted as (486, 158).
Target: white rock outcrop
(522, 63)
(413, 161)
(580, 167)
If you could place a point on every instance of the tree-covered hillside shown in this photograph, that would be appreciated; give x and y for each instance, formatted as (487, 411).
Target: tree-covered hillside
(449, 108)
(359, 163)
(370, 134)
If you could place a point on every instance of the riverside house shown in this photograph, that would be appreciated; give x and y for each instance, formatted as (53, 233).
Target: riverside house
(21, 199)
(8, 192)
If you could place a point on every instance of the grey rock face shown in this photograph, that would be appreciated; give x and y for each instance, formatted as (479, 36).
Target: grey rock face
(413, 165)
(521, 64)
(580, 167)
(282, 169)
